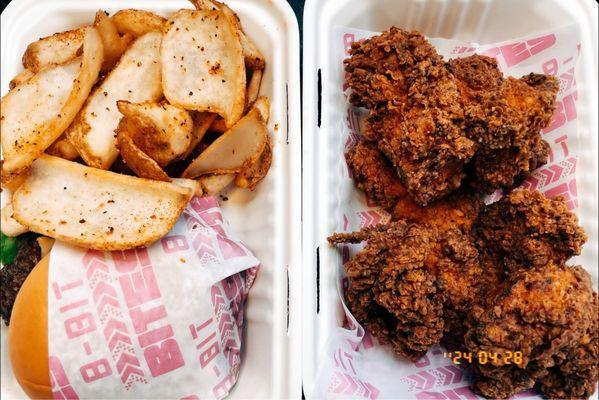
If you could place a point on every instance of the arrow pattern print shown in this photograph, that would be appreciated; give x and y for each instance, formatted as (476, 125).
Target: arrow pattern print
(126, 324)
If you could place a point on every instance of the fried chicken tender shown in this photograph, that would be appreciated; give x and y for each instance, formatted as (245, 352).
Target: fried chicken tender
(444, 123)
(409, 283)
(539, 312)
(528, 230)
(374, 174)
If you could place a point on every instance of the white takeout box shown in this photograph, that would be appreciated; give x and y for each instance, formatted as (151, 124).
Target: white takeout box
(268, 220)
(324, 105)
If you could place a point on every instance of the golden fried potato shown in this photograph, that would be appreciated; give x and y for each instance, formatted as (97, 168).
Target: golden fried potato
(137, 22)
(202, 64)
(96, 209)
(136, 78)
(134, 157)
(37, 112)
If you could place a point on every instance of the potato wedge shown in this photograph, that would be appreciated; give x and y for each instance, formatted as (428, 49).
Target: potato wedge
(234, 150)
(137, 22)
(161, 131)
(96, 209)
(191, 184)
(254, 88)
(37, 112)
(251, 55)
(114, 44)
(251, 176)
(202, 64)
(21, 77)
(215, 183)
(137, 160)
(64, 149)
(12, 180)
(10, 226)
(57, 49)
(201, 123)
(262, 104)
(136, 78)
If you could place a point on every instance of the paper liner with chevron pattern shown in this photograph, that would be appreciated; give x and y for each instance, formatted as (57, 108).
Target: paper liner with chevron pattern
(356, 366)
(158, 322)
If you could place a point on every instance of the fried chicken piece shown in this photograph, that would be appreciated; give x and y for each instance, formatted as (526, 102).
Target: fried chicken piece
(442, 123)
(375, 175)
(457, 211)
(576, 375)
(414, 110)
(409, 283)
(539, 312)
(381, 69)
(528, 230)
(505, 116)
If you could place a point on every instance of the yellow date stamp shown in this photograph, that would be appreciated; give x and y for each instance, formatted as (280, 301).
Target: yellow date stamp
(484, 357)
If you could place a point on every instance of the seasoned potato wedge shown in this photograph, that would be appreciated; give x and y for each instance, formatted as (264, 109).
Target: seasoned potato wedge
(136, 78)
(53, 50)
(254, 87)
(37, 112)
(21, 77)
(137, 22)
(215, 183)
(96, 209)
(251, 176)
(161, 131)
(191, 184)
(234, 150)
(134, 157)
(202, 64)
(12, 180)
(262, 104)
(201, 123)
(9, 226)
(64, 149)
(114, 44)
(252, 56)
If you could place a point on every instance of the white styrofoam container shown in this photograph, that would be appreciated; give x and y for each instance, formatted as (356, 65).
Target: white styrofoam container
(268, 220)
(324, 105)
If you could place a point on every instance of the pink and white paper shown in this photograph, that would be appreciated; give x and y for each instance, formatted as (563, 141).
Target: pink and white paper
(158, 322)
(354, 365)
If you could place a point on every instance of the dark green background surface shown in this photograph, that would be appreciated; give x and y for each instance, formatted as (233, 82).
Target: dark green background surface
(298, 7)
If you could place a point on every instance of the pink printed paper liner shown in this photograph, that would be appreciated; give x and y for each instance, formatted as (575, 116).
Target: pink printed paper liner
(355, 365)
(158, 322)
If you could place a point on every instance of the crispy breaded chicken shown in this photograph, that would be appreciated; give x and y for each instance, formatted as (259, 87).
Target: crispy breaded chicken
(577, 372)
(501, 288)
(540, 313)
(414, 108)
(374, 174)
(411, 283)
(505, 116)
(526, 230)
(441, 124)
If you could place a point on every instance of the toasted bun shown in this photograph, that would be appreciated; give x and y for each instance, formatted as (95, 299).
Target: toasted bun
(28, 334)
